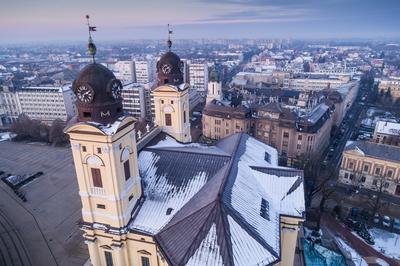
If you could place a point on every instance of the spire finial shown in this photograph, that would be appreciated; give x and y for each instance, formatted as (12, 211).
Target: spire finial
(169, 42)
(91, 46)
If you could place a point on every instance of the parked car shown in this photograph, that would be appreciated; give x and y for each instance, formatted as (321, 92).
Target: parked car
(386, 221)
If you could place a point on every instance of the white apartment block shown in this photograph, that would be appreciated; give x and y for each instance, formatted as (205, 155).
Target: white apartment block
(315, 84)
(145, 71)
(198, 77)
(9, 105)
(125, 71)
(137, 100)
(47, 103)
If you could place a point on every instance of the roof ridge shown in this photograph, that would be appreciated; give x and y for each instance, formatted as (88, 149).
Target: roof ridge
(172, 149)
(230, 163)
(167, 226)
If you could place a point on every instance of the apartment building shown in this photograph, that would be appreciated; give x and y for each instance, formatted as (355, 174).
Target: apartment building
(10, 106)
(47, 103)
(145, 71)
(317, 82)
(125, 71)
(371, 165)
(220, 121)
(387, 133)
(198, 77)
(390, 85)
(137, 100)
(291, 133)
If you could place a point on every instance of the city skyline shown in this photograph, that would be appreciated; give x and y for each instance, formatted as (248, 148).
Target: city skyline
(47, 21)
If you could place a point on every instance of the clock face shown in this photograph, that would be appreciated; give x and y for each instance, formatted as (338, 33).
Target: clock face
(166, 69)
(85, 94)
(116, 89)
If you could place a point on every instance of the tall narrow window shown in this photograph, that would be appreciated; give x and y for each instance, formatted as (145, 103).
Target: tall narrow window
(267, 157)
(109, 259)
(264, 209)
(96, 177)
(127, 170)
(184, 116)
(145, 261)
(168, 120)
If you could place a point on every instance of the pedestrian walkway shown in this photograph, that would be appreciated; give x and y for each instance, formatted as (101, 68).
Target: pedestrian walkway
(362, 248)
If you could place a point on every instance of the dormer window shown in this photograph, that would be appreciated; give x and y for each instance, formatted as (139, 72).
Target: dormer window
(264, 209)
(169, 210)
(267, 157)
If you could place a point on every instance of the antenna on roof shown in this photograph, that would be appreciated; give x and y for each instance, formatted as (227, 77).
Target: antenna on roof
(169, 42)
(91, 46)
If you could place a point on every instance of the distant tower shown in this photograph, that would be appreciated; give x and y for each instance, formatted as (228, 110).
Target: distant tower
(214, 87)
(171, 97)
(104, 151)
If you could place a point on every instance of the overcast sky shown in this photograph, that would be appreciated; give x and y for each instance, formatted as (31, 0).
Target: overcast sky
(59, 20)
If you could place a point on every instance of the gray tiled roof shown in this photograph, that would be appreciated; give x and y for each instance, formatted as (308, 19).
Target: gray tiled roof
(202, 203)
(376, 150)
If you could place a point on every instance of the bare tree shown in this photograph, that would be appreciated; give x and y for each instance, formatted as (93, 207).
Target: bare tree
(56, 132)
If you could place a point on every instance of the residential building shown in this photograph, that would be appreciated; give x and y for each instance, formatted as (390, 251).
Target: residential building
(10, 104)
(294, 134)
(125, 71)
(317, 82)
(220, 121)
(141, 192)
(145, 71)
(371, 165)
(47, 103)
(387, 133)
(390, 86)
(137, 100)
(198, 76)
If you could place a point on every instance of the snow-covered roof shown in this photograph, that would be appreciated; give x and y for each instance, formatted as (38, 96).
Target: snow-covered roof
(388, 128)
(226, 198)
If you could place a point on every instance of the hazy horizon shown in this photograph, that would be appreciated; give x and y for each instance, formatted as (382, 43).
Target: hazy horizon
(122, 20)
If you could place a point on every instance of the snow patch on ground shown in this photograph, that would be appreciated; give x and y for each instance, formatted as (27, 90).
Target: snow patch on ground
(6, 136)
(350, 253)
(386, 242)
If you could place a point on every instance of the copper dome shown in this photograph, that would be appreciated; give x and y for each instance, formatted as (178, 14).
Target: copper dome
(98, 94)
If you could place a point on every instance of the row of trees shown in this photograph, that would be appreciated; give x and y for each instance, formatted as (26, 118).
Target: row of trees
(31, 129)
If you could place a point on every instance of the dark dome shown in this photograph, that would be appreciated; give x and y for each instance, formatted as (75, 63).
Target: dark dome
(169, 69)
(98, 94)
(97, 76)
(170, 58)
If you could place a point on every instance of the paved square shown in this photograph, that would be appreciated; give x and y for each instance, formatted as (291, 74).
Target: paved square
(52, 200)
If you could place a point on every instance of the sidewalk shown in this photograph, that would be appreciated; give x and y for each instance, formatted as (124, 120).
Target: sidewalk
(362, 248)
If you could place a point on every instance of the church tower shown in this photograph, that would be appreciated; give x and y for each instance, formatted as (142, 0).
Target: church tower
(103, 143)
(171, 97)
(214, 87)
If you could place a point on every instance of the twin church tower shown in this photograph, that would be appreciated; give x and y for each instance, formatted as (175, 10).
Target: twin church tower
(104, 147)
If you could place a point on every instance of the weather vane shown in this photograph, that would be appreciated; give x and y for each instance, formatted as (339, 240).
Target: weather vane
(169, 42)
(91, 45)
